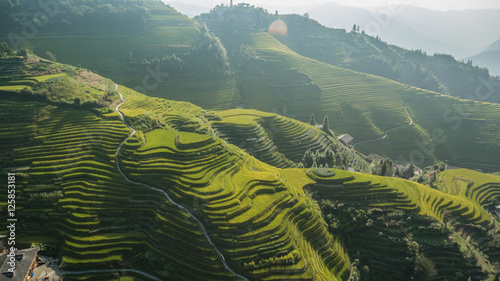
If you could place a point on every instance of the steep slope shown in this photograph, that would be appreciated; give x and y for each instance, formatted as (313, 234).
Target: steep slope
(95, 219)
(283, 142)
(489, 59)
(73, 201)
(391, 119)
(395, 30)
(358, 207)
(124, 41)
(352, 99)
(481, 188)
(432, 71)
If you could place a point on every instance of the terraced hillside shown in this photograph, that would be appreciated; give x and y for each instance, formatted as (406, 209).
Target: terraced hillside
(115, 41)
(150, 52)
(360, 207)
(484, 189)
(376, 191)
(479, 187)
(280, 141)
(356, 50)
(351, 99)
(263, 224)
(391, 119)
(77, 205)
(73, 199)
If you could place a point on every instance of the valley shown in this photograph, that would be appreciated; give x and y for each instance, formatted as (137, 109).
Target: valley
(171, 148)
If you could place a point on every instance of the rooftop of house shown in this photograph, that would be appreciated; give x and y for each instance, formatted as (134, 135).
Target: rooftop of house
(22, 259)
(346, 138)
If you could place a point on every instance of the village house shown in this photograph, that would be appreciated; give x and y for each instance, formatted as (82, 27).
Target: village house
(346, 139)
(24, 263)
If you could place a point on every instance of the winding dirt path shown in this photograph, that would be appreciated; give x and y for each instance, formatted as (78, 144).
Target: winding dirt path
(386, 132)
(205, 233)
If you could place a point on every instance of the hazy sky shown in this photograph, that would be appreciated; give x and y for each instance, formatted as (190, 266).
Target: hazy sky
(442, 5)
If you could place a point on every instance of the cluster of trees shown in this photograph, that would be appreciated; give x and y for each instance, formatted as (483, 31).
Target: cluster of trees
(342, 218)
(327, 159)
(325, 126)
(414, 74)
(206, 57)
(439, 72)
(387, 168)
(418, 265)
(5, 50)
(355, 28)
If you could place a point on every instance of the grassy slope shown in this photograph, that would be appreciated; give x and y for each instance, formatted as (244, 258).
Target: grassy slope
(278, 140)
(365, 106)
(73, 196)
(253, 214)
(258, 215)
(479, 187)
(110, 49)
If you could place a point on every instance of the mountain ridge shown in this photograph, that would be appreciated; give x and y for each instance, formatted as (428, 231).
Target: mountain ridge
(274, 193)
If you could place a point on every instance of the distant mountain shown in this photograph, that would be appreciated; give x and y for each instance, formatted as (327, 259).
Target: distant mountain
(455, 32)
(494, 47)
(466, 29)
(489, 58)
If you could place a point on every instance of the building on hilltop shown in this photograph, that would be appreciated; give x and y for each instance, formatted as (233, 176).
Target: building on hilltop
(346, 139)
(24, 263)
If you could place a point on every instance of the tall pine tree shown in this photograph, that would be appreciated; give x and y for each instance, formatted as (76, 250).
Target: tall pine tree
(312, 120)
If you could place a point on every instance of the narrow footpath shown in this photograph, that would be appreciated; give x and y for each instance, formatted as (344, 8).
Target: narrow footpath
(386, 132)
(205, 233)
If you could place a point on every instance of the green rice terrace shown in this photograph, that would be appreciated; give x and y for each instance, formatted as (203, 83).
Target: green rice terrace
(394, 120)
(237, 175)
(351, 99)
(150, 47)
(123, 41)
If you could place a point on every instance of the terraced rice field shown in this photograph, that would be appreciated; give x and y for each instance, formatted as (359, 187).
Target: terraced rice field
(379, 104)
(376, 191)
(277, 140)
(478, 187)
(262, 224)
(71, 195)
(391, 229)
(365, 106)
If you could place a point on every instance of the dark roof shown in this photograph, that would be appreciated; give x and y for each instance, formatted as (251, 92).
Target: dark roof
(24, 259)
(346, 138)
(375, 157)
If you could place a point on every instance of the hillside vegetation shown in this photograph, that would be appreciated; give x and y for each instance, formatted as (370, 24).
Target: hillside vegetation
(354, 50)
(376, 111)
(236, 64)
(108, 178)
(141, 44)
(80, 208)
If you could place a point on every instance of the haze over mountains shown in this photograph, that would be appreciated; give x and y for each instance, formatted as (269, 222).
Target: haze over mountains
(489, 58)
(243, 144)
(464, 34)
